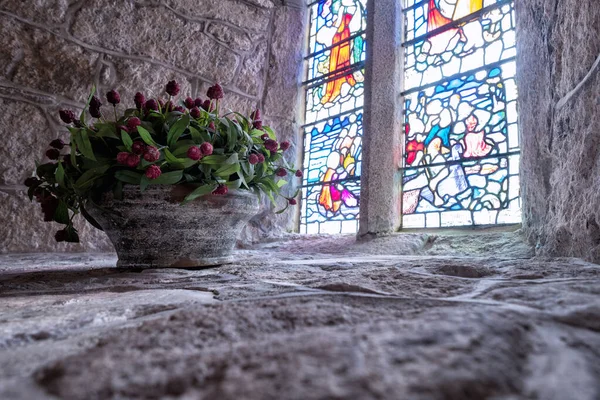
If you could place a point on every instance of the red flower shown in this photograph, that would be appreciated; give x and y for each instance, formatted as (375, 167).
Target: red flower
(292, 202)
(133, 123)
(32, 181)
(113, 97)
(67, 116)
(284, 145)
(255, 116)
(122, 157)
(151, 154)
(189, 103)
(138, 147)
(152, 105)
(299, 173)
(133, 160)
(220, 190)
(206, 148)
(53, 154)
(253, 159)
(271, 145)
(61, 235)
(257, 125)
(261, 158)
(194, 153)
(122, 128)
(281, 172)
(195, 112)
(198, 102)
(57, 144)
(173, 88)
(139, 100)
(215, 92)
(212, 126)
(153, 172)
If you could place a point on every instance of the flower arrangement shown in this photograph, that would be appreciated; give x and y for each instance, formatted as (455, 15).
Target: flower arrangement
(157, 143)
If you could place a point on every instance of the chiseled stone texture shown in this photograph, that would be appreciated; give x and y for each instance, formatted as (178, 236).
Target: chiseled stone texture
(53, 51)
(308, 318)
(558, 42)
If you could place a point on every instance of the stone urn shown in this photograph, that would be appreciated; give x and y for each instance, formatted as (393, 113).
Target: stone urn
(154, 230)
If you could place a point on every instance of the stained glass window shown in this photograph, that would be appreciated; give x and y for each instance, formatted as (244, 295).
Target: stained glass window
(333, 121)
(461, 161)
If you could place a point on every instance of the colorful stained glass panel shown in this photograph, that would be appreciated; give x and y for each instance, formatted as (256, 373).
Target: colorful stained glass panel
(338, 216)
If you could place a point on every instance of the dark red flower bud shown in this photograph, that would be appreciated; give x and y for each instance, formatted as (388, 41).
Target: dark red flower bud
(57, 144)
(257, 125)
(61, 235)
(271, 145)
(95, 112)
(172, 88)
(53, 154)
(292, 202)
(122, 128)
(139, 100)
(167, 107)
(151, 154)
(253, 159)
(194, 153)
(153, 172)
(299, 173)
(133, 160)
(32, 182)
(284, 145)
(212, 126)
(67, 159)
(261, 158)
(281, 172)
(113, 97)
(265, 136)
(152, 105)
(138, 147)
(133, 123)
(255, 116)
(78, 123)
(67, 116)
(49, 205)
(220, 190)
(198, 102)
(189, 103)
(195, 112)
(215, 92)
(122, 157)
(95, 102)
(208, 106)
(206, 148)
(180, 109)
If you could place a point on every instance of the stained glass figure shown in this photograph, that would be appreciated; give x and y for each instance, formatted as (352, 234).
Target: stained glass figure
(333, 130)
(461, 138)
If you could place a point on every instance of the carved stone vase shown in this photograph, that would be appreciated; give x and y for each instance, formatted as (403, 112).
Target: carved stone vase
(153, 230)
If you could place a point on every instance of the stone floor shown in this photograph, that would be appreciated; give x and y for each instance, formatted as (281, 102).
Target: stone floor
(411, 316)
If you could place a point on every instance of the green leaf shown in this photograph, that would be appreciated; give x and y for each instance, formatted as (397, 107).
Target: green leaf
(105, 130)
(234, 184)
(200, 191)
(146, 137)
(227, 170)
(83, 144)
(89, 176)
(144, 183)
(127, 176)
(214, 159)
(61, 215)
(89, 218)
(126, 140)
(270, 132)
(72, 236)
(281, 183)
(87, 104)
(59, 175)
(181, 149)
(168, 178)
(177, 129)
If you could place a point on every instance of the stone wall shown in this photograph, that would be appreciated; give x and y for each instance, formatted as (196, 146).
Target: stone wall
(559, 85)
(53, 51)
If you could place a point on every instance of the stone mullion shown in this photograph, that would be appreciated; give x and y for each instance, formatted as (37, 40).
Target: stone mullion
(380, 207)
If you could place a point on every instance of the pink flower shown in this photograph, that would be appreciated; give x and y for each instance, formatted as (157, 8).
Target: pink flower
(261, 158)
(253, 159)
(173, 88)
(194, 153)
(206, 148)
(153, 172)
(212, 126)
(220, 190)
(299, 173)
(133, 160)
(138, 147)
(151, 154)
(122, 128)
(122, 157)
